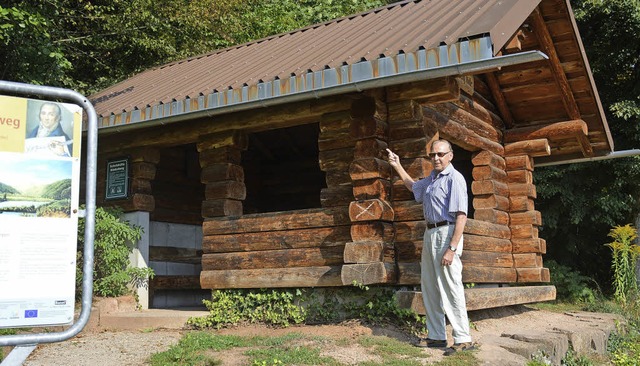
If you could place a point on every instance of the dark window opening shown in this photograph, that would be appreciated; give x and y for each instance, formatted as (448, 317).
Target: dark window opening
(281, 170)
(177, 190)
(462, 162)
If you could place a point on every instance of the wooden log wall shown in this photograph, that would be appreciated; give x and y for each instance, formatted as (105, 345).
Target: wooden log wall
(300, 248)
(501, 212)
(370, 257)
(176, 188)
(528, 248)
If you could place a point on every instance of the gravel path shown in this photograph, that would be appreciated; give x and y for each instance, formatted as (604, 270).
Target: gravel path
(506, 336)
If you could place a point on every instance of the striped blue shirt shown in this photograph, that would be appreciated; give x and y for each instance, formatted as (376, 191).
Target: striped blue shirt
(442, 195)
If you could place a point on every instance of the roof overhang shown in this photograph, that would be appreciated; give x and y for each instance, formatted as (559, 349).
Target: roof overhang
(462, 58)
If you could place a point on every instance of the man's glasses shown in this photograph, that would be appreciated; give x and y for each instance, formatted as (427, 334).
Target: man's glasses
(440, 154)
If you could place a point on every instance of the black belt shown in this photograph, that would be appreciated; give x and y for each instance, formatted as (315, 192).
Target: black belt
(441, 223)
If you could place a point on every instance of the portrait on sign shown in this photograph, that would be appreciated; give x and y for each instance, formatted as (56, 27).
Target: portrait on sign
(50, 129)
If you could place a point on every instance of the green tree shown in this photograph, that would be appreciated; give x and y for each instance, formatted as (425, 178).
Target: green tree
(581, 202)
(89, 45)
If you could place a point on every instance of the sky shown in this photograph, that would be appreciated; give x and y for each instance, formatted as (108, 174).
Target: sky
(23, 173)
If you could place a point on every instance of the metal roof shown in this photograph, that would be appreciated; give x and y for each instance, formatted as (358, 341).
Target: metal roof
(399, 38)
(528, 52)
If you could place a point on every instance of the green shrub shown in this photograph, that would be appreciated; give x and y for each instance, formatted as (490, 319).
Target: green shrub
(571, 286)
(229, 307)
(282, 307)
(113, 243)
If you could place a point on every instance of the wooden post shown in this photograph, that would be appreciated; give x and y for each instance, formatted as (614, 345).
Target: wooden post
(524, 219)
(335, 145)
(222, 173)
(369, 257)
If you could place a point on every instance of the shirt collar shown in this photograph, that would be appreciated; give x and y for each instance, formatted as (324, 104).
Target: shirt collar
(446, 171)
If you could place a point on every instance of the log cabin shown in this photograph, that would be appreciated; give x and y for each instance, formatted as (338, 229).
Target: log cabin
(263, 165)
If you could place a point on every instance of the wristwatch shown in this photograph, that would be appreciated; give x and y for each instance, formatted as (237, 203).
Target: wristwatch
(452, 248)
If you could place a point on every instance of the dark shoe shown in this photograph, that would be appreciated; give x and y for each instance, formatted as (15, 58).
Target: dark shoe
(431, 343)
(459, 347)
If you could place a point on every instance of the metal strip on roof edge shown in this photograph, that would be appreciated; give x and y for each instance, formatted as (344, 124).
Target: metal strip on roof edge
(455, 59)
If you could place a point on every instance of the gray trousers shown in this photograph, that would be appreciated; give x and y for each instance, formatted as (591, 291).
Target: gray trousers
(442, 288)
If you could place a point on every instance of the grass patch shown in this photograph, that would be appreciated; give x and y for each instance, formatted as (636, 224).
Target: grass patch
(190, 350)
(390, 348)
(200, 347)
(196, 348)
(290, 355)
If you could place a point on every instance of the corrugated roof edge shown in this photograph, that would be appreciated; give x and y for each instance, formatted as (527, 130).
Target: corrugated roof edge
(442, 56)
(471, 67)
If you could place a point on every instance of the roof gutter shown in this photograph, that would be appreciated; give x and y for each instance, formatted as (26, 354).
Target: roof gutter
(465, 68)
(611, 155)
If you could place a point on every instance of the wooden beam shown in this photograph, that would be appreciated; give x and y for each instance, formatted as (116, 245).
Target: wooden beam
(467, 119)
(282, 239)
(533, 274)
(272, 277)
(372, 209)
(373, 230)
(368, 274)
(522, 189)
(491, 215)
(236, 138)
(183, 282)
(414, 230)
(546, 43)
(221, 207)
(273, 221)
(489, 187)
(175, 254)
(282, 258)
(369, 168)
(535, 148)
(368, 251)
(558, 130)
(488, 158)
(282, 116)
(427, 91)
(484, 298)
(501, 102)
(461, 135)
(585, 144)
(488, 259)
(409, 274)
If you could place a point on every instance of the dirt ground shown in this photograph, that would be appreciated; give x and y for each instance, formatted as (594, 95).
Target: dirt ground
(493, 330)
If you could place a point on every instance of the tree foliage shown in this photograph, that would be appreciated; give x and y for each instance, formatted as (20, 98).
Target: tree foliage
(89, 45)
(581, 202)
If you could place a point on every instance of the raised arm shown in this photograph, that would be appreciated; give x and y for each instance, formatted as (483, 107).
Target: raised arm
(394, 160)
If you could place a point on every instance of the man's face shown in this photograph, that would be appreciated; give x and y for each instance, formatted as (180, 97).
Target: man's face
(440, 156)
(49, 116)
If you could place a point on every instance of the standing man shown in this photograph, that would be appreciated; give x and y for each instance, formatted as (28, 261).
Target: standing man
(443, 195)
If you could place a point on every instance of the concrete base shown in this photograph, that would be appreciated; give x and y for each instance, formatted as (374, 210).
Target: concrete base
(123, 313)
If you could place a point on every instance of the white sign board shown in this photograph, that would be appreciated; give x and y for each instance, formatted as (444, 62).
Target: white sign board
(39, 189)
